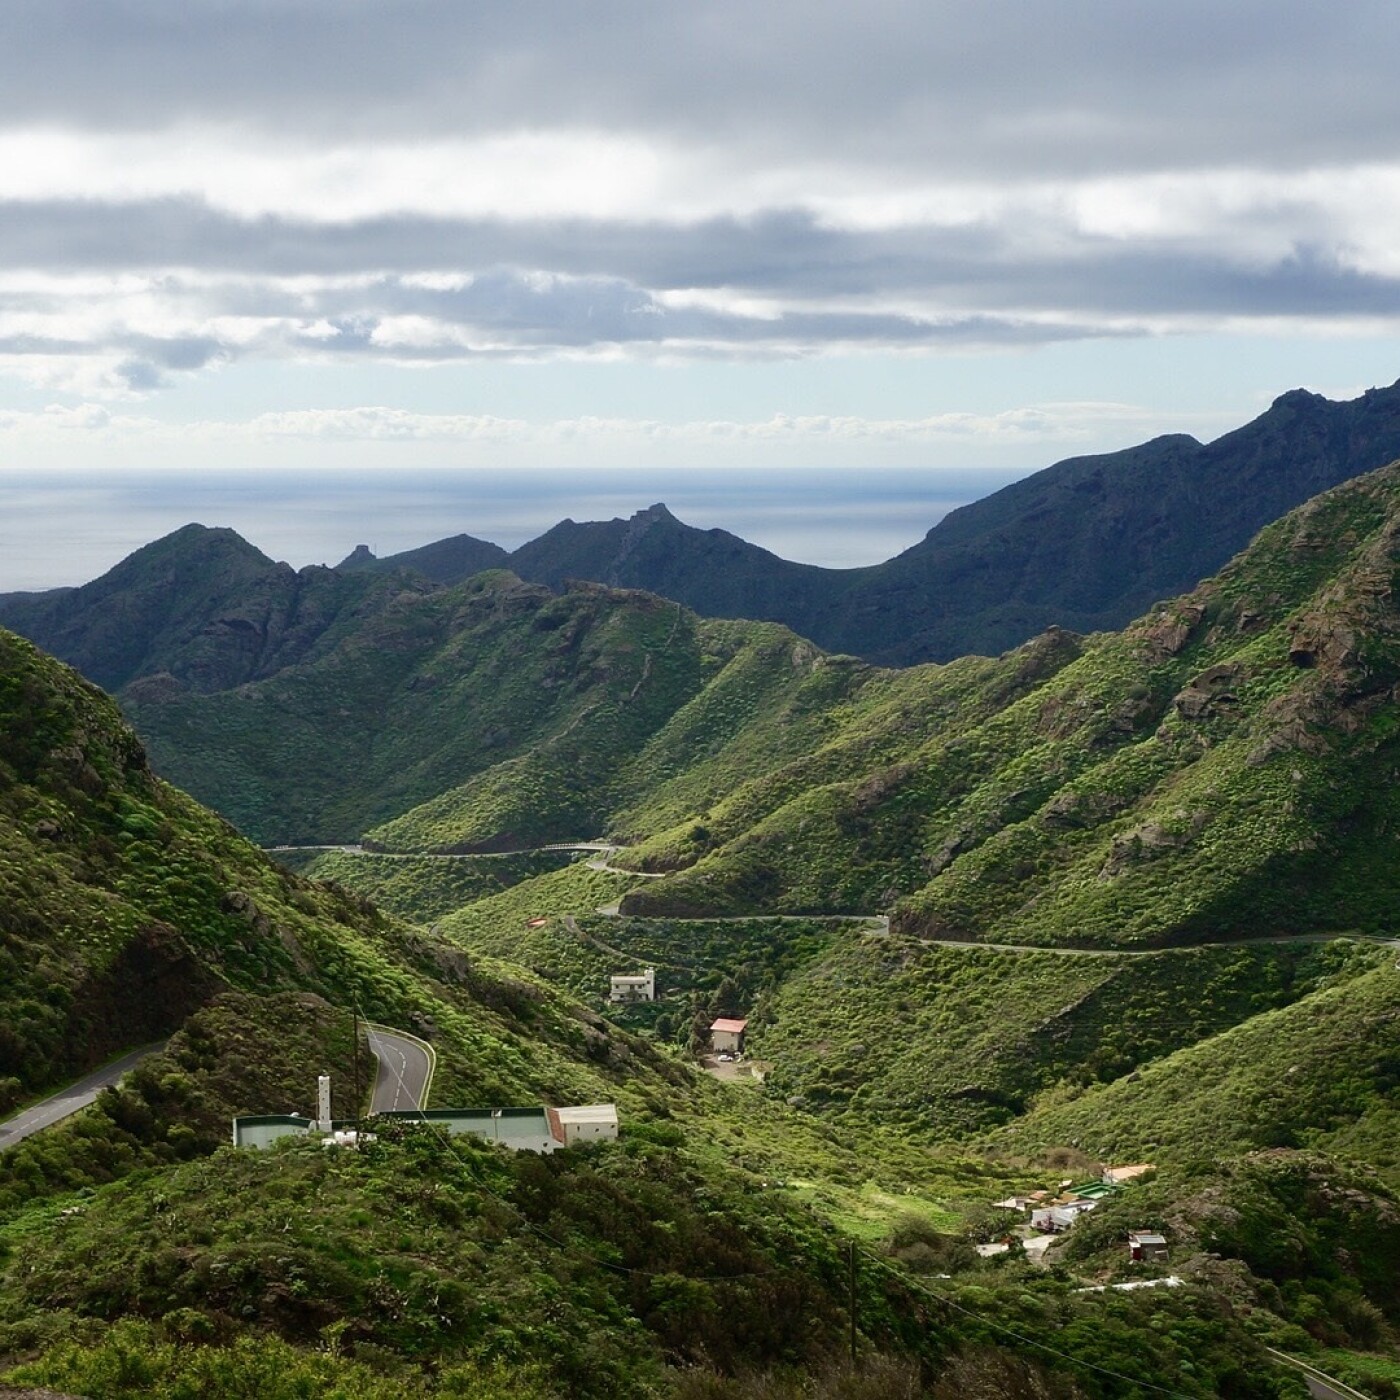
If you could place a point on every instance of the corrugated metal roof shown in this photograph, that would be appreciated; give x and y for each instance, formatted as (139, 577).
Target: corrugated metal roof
(588, 1113)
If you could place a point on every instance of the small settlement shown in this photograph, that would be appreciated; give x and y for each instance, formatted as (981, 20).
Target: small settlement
(1052, 1213)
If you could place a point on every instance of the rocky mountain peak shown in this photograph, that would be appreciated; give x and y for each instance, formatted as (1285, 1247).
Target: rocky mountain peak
(361, 557)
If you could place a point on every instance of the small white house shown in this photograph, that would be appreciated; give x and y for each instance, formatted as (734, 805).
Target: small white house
(633, 987)
(727, 1036)
(1054, 1219)
(590, 1122)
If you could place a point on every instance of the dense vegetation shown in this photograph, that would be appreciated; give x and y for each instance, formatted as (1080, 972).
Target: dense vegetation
(423, 888)
(592, 1268)
(450, 1267)
(1307, 1074)
(128, 907)
(1137, 892)
(124, 1213)
(498, 711)
(1222, 769)
(947, 1042)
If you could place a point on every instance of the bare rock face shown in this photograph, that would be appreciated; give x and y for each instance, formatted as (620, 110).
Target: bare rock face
(1322, 641)
(1293, 726)
(1170, 632)
(1069, 810)
(1192, 703)
(1209, 693)
(237, 902)
(1150, 839)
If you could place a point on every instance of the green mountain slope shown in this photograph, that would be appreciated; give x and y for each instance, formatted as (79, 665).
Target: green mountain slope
(491, 716)
(540, 694)
(946, 1042)
(131, 912)
(136, 1255)
(1298, 1076)
(1223, 768)
(128, 907)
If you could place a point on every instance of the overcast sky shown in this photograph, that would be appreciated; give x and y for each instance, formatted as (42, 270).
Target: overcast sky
(395, 235)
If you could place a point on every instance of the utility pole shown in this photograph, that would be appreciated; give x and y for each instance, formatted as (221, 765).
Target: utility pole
(852, 1307)
(355, 1060)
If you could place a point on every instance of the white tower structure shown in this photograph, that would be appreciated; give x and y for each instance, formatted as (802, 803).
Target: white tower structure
(323, 1103)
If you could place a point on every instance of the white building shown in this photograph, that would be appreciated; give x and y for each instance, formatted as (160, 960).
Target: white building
(539, 1129)
(590, 1122)
(633, 987)
(1118, 1176)
(1053, 1219)
(727, 1035)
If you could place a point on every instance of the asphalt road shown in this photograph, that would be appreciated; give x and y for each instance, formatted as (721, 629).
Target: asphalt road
(68, 1101)
(1320, 1385)
(405, 1071)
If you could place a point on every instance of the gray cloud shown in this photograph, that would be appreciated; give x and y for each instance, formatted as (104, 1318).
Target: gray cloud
(1027, 85)
(797, 101)
(607, 283)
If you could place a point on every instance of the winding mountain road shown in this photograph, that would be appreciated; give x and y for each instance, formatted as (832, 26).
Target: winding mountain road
(602, 850)
(355, 850)
(405, 1074)
(67, 1102)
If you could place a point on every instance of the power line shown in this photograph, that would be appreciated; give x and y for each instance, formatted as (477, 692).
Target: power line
(854, 1248)
(1021, 1337)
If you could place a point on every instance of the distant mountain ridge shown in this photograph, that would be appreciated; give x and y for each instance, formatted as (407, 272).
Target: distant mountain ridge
(1087, 544)
(1223, 767)
(202, 606)
(444, 561)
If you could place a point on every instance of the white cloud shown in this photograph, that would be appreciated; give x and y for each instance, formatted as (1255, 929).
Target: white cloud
(1038, 423)
(181, 191)
(532, 174)
(88, 417)
(597, 176)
